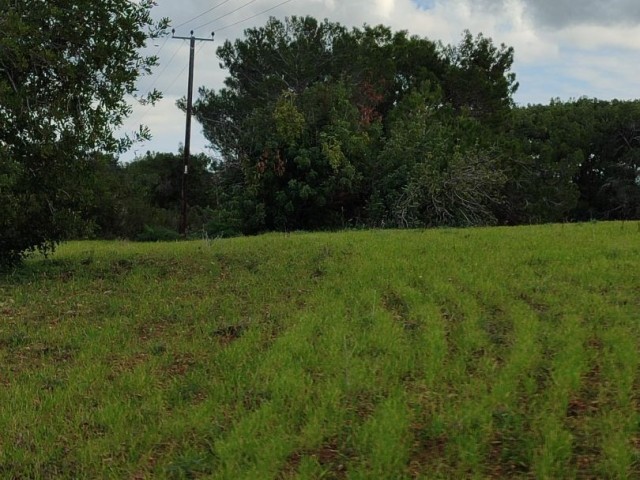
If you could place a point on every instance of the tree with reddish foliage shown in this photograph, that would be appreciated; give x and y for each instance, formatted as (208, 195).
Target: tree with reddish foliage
(308, 107)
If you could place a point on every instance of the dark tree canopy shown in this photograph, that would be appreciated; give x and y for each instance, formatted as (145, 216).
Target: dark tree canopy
(65, 69)
(575, 160)
(317, 126)
(308, 107)
(320, 126)
(132, 200)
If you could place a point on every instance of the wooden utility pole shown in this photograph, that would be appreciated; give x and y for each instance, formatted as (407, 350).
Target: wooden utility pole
(187, 136)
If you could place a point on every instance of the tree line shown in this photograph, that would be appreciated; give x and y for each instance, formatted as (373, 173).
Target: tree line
(323, 127)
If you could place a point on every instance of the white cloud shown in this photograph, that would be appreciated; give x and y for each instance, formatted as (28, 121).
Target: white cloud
(594, 37)
(385, 7)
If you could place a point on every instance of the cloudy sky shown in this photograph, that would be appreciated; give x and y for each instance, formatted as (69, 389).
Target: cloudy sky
(563, 48)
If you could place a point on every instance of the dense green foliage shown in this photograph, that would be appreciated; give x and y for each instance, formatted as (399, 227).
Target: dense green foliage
(135, 199)
(319, 126)
(443, 354)
(322, 127)
(65, 68)
(586, 157)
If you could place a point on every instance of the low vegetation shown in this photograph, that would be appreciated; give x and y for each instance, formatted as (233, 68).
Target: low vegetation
(477, 353)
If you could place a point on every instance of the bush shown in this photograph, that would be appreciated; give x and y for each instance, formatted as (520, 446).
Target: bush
(157, 234)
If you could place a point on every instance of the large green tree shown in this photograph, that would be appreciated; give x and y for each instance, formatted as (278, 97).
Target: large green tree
(66, 67)
(574, 160)
(609, 177)
(309, 106)
(436, 168)
(292, 124)
(478, 79)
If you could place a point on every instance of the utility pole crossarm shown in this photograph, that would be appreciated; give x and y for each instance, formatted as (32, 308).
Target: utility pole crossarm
(187, 138)
(192, 37)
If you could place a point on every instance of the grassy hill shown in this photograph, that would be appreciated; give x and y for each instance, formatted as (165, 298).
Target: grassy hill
(482, 353)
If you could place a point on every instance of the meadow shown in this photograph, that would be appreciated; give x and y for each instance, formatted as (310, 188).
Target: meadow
(435, 354)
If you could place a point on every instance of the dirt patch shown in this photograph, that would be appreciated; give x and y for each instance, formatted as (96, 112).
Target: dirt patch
(329, 455)
(426, 452)
(151, 331)
(498, 328)
(181, 364)
(535, 305)
(149, 462)
(229, 334)
(582, 408)
(26, 356)
(123, 364)
(364, 404)
(399, 309)
(506, 458)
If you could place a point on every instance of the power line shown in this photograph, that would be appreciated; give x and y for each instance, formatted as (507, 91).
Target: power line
(155, 81)
(173, 82)
(142, 115)
(162, 46)
(219, 29)
(226, 14)
(253, 16)
(148, 109)
(202, 14)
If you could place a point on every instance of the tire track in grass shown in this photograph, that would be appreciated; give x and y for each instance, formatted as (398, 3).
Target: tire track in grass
(440, 372)
(556, 418)
(511, 443)
(565, 347)
(452, 424)
(382, 441)
(468, 366)
(376, 338)
(588, 406)
(509, 332)
(316, 417)
(316, 376)
(589, 411)
(617, 421)
(422, 446)
(538, 310)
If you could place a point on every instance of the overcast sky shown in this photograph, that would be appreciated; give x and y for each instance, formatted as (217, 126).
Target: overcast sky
(563, 48)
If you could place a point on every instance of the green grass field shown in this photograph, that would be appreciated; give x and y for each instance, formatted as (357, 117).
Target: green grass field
(481, 353)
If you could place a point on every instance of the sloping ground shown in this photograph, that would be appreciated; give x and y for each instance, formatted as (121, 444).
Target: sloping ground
(484, 353)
